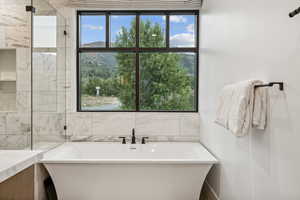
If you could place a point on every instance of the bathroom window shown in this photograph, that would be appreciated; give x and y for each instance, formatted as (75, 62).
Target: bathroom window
(137, 61)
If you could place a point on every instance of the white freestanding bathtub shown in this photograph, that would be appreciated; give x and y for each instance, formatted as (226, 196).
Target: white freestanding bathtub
(112, 171)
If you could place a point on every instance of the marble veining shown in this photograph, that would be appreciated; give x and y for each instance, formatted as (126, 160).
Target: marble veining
(175, 126)
(90, 138)
(15, 24)
(46, 123)
(14, 140)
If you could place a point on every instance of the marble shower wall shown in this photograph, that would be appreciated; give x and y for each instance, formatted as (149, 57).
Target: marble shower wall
(93, 126)
(15, 34)
(48, 98)
(14, 24)
(49, 74)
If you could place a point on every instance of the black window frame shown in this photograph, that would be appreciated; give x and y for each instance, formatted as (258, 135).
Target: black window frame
(137, 50)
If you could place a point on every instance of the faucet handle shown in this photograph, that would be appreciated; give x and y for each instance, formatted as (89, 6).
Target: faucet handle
(144, 140)
(123, 140)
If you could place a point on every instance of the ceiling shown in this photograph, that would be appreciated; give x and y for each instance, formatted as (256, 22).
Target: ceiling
(129, 4)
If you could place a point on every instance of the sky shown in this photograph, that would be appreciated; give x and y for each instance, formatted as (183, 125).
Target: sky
(181, 28)
(92, 29)
(182, 32)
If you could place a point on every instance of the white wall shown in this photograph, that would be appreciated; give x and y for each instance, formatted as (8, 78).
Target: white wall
(242, 39)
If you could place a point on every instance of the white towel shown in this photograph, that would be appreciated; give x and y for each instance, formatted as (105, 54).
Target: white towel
(260, 108)
(240, 106)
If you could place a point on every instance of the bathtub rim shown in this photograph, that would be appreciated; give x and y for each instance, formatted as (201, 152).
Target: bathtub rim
(129, 161)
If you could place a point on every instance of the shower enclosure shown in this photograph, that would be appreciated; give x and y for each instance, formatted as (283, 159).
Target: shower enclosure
(49, 75)
(32, 75)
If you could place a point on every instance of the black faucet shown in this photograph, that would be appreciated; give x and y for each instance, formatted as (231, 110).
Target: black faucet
(133, 137)
(123, 140)
(144, 140)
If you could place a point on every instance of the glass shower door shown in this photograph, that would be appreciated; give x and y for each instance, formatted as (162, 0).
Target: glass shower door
(49, 76)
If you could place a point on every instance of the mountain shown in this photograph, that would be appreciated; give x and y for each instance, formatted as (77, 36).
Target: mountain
(188, 61)
(104, 63)
(94, 44)
(97, 65)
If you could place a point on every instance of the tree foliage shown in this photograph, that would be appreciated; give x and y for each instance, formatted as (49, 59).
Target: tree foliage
(164, 83)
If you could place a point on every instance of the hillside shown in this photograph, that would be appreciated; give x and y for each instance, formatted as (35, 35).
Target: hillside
(105, 64)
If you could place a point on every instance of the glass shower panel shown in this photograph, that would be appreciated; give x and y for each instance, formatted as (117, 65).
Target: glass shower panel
(15, 78)
(49, 76)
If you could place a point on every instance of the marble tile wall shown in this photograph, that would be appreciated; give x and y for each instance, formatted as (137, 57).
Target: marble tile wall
(15, 34)
(14, 24)
(8, 96)
(109, 126)
(15, 123)
(14, 130)
(48, 78)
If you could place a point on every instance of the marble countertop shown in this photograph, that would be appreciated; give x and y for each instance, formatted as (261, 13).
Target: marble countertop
(15, 161)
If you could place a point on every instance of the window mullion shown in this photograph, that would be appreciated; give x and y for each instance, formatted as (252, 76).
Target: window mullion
(137, 64)
(107, 31)
(137, 81)
(168, 31)
(137, 31)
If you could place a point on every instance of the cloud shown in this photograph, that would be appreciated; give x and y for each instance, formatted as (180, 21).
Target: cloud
(183, 40)
(190, 28)
(177, 19)
(92, 27)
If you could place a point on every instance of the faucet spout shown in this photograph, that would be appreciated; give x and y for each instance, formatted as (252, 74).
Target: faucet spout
(133, 138)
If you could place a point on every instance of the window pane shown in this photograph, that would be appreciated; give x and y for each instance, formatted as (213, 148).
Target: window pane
(92, 31)
(168, 81)
(122, 31)
(182, 30)
(152, 31)
(107, 81)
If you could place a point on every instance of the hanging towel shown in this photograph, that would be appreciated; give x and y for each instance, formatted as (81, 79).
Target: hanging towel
(260, 108)
(240, 106)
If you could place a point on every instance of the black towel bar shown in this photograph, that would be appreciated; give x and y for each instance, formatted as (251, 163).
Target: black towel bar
(281, 86)
(295, 12)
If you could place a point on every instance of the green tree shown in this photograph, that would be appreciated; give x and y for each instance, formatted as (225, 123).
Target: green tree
(164, 83)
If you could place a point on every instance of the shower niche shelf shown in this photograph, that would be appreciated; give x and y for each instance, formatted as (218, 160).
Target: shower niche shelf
(8, 80)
